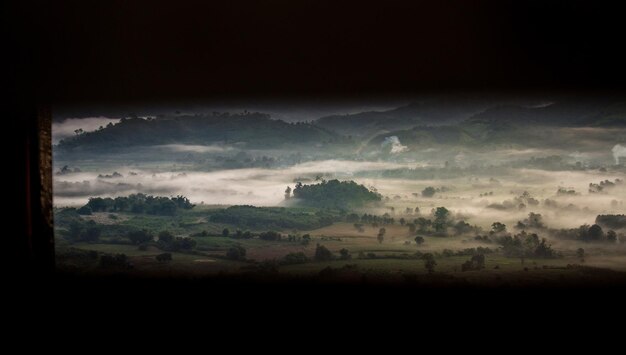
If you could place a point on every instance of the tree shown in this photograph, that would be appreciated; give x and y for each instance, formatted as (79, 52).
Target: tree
(595, 232)
(429, 262)
(419, 240)
(402, 221)
(322, 253)
(288, 193)
(381, 235)
(344, 254)
(498, 227)
(580, 253)
(441, 218)
(225, 232)
(429, 192)
(611, 236)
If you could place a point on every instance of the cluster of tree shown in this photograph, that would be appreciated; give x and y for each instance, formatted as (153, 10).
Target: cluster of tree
(520, 202)
(525, 245)
(137, 203)
(334, 194)
(268, 236)
(477, 262)
(79, 231)
(615, 221)
(430, 191)
(295, 258)
(274, 217)
(167, 241)
(602, 186)
(565, 191)
(372, 220)
(586, 233)
(440, 223)
(466, 252)
(534, 220)
(67, 170)
(110, 176)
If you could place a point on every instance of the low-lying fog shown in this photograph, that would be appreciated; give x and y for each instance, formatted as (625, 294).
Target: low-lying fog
(480, 199)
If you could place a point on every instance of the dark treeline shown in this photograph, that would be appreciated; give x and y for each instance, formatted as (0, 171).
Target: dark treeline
(137, 203)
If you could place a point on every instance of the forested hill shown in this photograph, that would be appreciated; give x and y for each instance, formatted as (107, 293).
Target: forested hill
(432, 112)
(254, 130)
(595, 113)
(604, 112)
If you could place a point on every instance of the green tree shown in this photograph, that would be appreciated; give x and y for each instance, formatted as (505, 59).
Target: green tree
(225, 232)
(441, 218)
(419, 240)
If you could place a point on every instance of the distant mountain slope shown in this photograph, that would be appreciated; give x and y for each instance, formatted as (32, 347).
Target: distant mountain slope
(599, 112)
(254, 130)
(430, 112)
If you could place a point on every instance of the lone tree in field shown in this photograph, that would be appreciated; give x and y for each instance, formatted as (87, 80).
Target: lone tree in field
(381, 235)
(441, 218)
(225, 232)
(429, 262)
(419, 240)
(580, 253)
(288, 193)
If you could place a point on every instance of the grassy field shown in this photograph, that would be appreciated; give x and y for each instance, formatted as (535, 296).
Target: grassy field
(392, 260)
